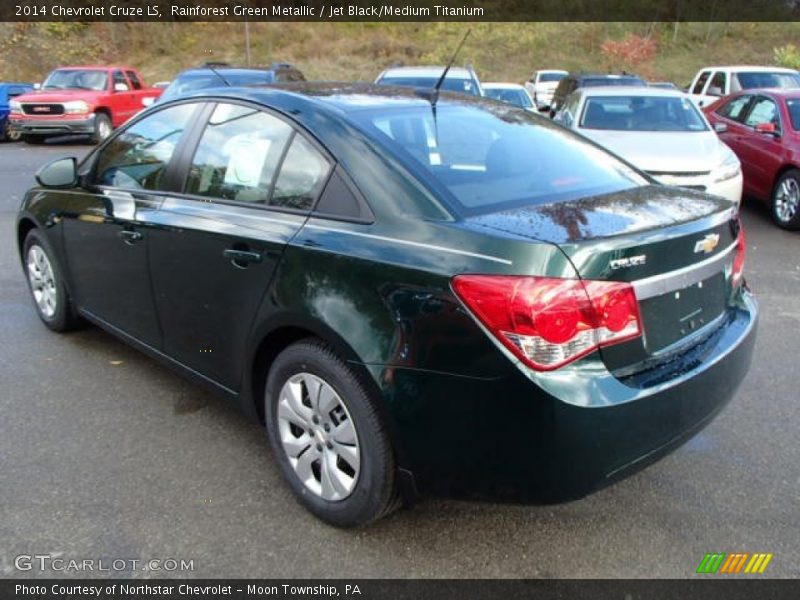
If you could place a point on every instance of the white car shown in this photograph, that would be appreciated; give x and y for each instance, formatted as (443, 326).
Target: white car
(459, 79)
(658, 131)
(510, 93)
(542, 84)
(712, 83)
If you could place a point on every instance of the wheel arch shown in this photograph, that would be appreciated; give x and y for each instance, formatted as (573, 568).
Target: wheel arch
(780, 173)
(24, 227)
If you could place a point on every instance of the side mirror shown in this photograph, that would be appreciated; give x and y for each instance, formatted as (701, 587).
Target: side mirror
(720, 127)
(60, 173)
(121, 87)
(768, 128)
(714, 91)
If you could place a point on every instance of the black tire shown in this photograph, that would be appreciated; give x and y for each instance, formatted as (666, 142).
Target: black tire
(374, 494)
(781, 211)
(102, 128)
(33, 139)
(64, 317)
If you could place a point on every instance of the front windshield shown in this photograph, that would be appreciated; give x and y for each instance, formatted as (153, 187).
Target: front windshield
(749, 81)
(497, 157)
(77, 79)
(451, 84)
(641, 113)
(514, 96)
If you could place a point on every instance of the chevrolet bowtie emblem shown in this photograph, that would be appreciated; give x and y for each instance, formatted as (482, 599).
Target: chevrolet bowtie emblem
(707, 244)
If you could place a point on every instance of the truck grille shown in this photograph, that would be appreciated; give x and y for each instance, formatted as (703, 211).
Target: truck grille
(43, 109)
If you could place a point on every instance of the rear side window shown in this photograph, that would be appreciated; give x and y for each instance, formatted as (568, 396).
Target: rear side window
(119, 78)
(137, 158)
(734, 109)
(137, 85)
(238, 155)
(701, 82)
(719, 82)
(793, 106)
(764, 111)
(302, 176)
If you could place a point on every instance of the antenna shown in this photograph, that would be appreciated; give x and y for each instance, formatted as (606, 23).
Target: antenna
(433, 95)
(211, 68)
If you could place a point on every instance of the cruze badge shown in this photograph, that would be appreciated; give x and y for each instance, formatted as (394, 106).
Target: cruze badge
(630, 261)
(707, 244)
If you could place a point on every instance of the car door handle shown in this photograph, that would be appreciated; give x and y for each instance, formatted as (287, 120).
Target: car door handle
(130, 237)
(241, 257)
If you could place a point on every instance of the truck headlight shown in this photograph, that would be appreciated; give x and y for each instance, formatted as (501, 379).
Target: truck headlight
(14, 107)
(730, 168)
(76, 107)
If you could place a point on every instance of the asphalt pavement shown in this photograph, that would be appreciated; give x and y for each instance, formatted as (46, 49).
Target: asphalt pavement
(105, 454)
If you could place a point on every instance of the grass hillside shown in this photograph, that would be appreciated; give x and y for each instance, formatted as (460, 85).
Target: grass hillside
(359, 51)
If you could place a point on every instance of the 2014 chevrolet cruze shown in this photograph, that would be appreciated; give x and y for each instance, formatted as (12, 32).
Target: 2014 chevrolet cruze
(453, 296)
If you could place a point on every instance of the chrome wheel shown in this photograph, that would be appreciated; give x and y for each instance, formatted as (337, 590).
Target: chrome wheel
(103, 129)
(318, 436)
(42, 280)
(787, 199)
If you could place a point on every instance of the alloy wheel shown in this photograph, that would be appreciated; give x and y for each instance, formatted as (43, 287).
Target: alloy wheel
(319, 437)
(42, 280)
(787, 199)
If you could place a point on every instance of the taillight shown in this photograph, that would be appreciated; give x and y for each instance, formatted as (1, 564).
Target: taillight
(738, 261)
(548, 322)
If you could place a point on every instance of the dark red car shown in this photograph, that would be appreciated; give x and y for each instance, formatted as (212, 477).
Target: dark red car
(763, 128)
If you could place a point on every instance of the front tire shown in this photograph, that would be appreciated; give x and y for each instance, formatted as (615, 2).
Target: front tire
(102, 128)
(328, 437)
(785, 205)
(46, 283)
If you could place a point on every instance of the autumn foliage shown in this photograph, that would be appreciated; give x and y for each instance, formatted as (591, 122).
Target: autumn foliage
(631, 52)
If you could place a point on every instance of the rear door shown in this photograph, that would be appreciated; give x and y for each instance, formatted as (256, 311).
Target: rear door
(125, 101)
(762, 153)
(250, 182)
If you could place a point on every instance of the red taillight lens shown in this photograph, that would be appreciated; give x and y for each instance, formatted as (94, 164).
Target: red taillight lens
(549, 322)
(738, 261)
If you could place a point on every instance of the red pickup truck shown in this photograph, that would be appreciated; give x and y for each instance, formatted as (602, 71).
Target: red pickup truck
(89, 100)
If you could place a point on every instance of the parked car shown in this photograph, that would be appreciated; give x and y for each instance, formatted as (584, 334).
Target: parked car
(459, 79)
(763, 128)
(542, 84)
(471, 299)
(664, 85)
(658, 131)
(510, 93)
(712, 83)
(89, 100)
(8, 91)
(216, 74)
(575, 81)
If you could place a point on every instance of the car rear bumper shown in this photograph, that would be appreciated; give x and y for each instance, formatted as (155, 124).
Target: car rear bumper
(509, 438)
(28, 126)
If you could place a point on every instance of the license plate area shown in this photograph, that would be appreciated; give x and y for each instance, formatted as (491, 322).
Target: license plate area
(672, 316)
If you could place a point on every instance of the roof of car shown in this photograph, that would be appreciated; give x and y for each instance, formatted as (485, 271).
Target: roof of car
(782, 92)
(752, 68)
(434, 71)
(627, 90)
(551, 71)
(499, 85)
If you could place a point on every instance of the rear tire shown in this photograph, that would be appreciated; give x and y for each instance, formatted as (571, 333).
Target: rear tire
(328, 438)
(102, 128)
(785, 204)
(46, 283)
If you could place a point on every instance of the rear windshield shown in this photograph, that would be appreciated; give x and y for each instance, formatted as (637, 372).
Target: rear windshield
(641, 113)
(189, 82)
(544, 77)
(598, 81)
(493, 157)
(749, 81)
(452, 84)
(514, 96)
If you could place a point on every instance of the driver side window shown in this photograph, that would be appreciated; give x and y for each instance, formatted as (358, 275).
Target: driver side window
(137, 158)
